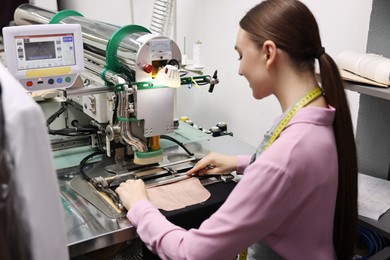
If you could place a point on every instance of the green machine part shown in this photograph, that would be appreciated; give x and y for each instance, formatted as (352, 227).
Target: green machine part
(58, 17)
(116, 38)
(112, 64)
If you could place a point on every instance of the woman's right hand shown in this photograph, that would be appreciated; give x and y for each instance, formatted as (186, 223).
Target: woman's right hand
(214, 164)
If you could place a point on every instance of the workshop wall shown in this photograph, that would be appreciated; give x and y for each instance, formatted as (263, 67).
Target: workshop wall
(118, 12)
(373, 126)
(215, 23)
(47, 4)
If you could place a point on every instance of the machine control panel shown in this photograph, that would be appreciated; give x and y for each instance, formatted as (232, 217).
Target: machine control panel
(46, 56)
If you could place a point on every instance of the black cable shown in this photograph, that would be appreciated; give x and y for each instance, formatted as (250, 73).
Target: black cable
(127, 74)
(56, 114)
(167, 137)
(115, 112)
(94, 49)
(85, 128)
(84, 161)
(77, 130)
(175, 63)
(73, 131)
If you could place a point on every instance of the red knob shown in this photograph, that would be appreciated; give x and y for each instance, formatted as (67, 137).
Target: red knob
(147, 68)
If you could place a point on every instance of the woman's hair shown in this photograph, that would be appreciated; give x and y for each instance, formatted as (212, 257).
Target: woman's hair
(293, 28)
(13, 232)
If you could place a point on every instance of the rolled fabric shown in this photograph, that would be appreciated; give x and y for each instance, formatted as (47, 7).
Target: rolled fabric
(368, 65)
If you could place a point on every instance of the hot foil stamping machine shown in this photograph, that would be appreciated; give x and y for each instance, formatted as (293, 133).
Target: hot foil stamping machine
(128, 92)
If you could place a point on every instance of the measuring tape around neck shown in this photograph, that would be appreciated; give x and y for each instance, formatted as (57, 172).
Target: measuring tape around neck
(278, 127)
(302, 102)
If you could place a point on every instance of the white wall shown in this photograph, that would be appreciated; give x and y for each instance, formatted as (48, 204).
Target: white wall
(47, 4)
(119, 12)
(216, 24)
(343, 24)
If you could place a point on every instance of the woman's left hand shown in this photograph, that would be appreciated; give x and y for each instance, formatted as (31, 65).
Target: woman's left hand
(131, 191)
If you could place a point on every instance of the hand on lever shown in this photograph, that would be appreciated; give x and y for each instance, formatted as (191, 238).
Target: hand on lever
(131, 191)
(214, 164)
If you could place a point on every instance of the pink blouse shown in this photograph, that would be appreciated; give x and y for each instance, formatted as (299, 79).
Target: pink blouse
(286, 198)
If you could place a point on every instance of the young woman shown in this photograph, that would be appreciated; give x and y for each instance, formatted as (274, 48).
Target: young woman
(297, 198)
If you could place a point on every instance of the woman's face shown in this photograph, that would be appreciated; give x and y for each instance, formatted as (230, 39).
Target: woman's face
(253, 65)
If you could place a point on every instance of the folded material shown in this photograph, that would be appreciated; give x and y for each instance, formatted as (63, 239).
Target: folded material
(368, 65)
(178, 195)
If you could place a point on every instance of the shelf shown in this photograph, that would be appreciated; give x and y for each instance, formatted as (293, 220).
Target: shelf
(368, 90)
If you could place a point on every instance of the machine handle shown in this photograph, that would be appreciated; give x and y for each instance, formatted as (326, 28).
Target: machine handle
(214, 80)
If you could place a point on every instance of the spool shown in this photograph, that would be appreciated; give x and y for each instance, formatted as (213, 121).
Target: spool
(198, 55)
(215, 131)
(222, 126)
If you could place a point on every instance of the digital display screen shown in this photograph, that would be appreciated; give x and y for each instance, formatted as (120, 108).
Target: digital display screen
(39, 50)
(45, 51)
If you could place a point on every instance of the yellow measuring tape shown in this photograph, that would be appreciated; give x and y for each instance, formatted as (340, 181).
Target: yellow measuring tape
(309, 97)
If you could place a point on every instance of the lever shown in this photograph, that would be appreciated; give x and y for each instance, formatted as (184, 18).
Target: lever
(214, 80)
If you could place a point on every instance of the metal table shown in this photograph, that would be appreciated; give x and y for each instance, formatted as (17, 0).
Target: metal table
(88, 229)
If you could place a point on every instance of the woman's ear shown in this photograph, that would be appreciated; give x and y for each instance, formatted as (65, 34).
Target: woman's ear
(270, 51)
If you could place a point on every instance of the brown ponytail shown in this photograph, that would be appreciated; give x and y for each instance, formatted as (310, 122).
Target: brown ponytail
(345, 222)
(293, 28)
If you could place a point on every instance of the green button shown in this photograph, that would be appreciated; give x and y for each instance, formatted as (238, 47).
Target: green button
(68, 79)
